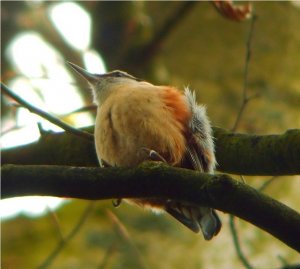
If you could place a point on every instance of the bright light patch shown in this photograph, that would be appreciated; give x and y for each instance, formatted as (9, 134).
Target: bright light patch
(26, 122)
(20, 136)
(44, 81)
(73, 23)
(50, 86)
(93, 62)
(296, 3)
(32, 206)
(29, 53)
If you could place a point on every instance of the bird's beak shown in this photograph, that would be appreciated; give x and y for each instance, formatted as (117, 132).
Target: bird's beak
(91, 78)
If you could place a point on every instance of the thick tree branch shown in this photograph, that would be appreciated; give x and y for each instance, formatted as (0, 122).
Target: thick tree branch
(149, 180)
(236, 153)
(248, 154)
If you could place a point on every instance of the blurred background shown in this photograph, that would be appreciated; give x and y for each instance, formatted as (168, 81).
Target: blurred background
(177, 43)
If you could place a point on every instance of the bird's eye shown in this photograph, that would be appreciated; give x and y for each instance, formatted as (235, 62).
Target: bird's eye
(119, 74)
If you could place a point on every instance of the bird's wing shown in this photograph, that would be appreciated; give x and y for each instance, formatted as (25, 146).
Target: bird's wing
(193, 158)
(200, 154)
(200, 148)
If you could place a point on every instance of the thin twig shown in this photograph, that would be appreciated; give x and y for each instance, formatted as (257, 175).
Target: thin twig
(169, 25)
(291, 266)
(245, 97)
(236, 240)
(123, 232)
(107, 255)
(80, 110)
(245, 101)
(55, 220)
(46, 115)
(267, 183)
(47, 262)
(237, 243)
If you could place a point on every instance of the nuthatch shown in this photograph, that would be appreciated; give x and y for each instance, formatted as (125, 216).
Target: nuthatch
(138, 121)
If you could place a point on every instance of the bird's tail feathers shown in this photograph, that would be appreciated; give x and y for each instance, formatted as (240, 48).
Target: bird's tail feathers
(196, 218)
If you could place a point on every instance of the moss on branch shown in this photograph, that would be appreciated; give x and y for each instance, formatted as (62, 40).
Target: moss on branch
(156, 180)
(236, 153)
(247, 154)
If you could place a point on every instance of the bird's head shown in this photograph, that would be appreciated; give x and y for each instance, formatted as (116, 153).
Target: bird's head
(104, 84)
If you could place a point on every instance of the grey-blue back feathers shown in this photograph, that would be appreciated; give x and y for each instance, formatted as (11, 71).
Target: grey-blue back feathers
(201, 130)
(200, 153)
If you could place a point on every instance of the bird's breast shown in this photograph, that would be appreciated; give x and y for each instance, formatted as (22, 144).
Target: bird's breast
(132, 119)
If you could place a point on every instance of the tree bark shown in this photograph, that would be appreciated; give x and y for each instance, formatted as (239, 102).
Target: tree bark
(248, 154)
(156, 180)
(241, 154)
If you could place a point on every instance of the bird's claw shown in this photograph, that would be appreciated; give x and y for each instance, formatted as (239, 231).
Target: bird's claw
(117, 202)
(154, 155)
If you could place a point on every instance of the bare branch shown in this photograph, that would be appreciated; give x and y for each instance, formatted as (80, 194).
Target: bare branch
(46, 115)
(216, 191)
(267, 183)
(56, 223)
(236, 241)
(170, 24)
(108, 254)
(237, 244)
(245, 97)
(122, 231)
(59, 247)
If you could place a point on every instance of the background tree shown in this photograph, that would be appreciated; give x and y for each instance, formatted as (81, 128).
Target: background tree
(175, 43)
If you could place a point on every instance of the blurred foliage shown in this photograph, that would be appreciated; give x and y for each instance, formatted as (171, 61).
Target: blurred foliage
(206, 52)
(211, 60)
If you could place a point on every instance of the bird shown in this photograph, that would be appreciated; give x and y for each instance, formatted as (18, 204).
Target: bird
(138, 121)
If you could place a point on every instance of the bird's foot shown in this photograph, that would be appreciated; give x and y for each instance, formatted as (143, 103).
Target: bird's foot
(154, 155)
(117, 202)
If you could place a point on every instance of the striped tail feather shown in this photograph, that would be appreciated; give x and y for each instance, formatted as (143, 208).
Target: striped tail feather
(196, 218)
